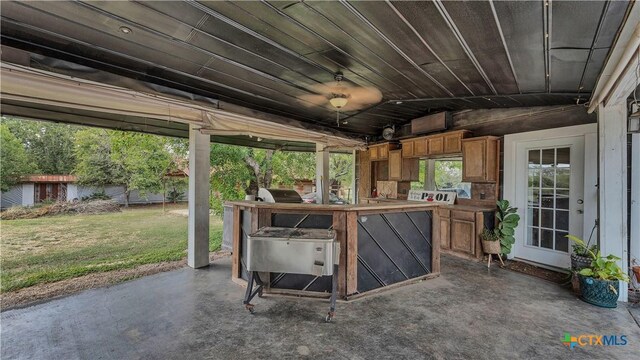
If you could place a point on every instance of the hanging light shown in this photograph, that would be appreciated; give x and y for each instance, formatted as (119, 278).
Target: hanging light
(338, 102)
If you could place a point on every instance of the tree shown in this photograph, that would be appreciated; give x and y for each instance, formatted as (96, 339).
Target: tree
(134, 161)
(48, 145)
(14, 162)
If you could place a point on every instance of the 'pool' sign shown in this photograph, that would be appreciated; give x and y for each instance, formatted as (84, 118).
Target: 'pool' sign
(440, 197)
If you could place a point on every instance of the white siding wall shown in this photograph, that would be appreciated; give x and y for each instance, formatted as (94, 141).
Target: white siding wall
(27, 194)
(11, 198)
(72, 192)
(23, 194)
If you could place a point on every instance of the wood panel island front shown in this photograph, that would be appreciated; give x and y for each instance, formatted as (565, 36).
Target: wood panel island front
(382, 245)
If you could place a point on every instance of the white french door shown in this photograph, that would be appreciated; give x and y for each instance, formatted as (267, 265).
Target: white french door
(549, 194)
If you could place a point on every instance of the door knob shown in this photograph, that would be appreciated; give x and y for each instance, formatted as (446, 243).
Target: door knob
(580, 201)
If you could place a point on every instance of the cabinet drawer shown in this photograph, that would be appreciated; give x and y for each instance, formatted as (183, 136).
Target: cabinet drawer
(463, 215)
(444, 212)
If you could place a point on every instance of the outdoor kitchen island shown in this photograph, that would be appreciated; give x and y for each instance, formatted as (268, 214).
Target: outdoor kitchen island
(381, 245)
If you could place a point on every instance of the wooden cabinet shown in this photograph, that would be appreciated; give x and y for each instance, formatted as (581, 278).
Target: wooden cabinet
(459, 230)
(436, 145)
(395, 165)
(463, 236)
(480, 159)
(420, 147)
(408, 149)
(381, 151)
(410, 169)
(453, 141)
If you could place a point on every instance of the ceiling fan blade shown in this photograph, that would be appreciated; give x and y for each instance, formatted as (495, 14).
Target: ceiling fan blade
(313, 100)
(365, 95)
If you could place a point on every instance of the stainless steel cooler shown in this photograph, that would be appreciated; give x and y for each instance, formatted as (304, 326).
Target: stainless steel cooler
(294, 251)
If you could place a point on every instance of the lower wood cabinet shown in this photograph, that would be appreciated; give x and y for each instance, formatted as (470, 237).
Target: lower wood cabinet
(460, 230)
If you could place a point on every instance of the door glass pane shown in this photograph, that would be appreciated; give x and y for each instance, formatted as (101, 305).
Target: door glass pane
(532, 236)
(546, 217)
(562, 220)
(562, 243)
(548, 180)
(546, 239)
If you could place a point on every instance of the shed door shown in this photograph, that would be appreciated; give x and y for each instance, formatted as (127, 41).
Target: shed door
(550, 198)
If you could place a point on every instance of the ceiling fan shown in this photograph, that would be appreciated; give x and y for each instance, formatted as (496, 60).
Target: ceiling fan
(342, 95)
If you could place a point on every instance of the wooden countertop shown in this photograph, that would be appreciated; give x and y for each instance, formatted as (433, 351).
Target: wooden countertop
(443, 206)
(398, 204)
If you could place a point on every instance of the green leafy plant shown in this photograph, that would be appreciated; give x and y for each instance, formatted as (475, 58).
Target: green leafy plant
(580, 248)
(602, 268)
(489, 235)
(507, 223)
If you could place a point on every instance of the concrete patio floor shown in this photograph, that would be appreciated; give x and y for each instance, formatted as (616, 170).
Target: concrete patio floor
(468, 312)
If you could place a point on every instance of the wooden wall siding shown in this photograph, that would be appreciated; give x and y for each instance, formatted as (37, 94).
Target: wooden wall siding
(364, 175)
(301, 281)
(384, 240)
(499, 122)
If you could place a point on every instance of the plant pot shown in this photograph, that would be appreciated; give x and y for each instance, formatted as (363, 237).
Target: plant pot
(579, 262)
(598, 292)
(491, 247)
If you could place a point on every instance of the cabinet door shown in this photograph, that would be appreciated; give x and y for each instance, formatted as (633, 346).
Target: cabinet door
(453, 143)
(436, 145)
(395, 165)
(383, 152)
(420, 147)
(407, 149)
(411, 169)
(373, 153)
(463, 235)
(445, 238)
(474, 165)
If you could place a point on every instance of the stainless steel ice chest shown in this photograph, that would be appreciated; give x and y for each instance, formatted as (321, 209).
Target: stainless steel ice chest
(294, 251)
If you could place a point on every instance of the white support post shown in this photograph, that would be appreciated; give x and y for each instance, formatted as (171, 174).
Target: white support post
(198, 244)
(634, 249)
(322, 174)
(612, 180)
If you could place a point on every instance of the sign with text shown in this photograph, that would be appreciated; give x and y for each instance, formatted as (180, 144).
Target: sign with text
(438, 197)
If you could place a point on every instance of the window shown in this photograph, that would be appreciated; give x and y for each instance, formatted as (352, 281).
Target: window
(443, 175)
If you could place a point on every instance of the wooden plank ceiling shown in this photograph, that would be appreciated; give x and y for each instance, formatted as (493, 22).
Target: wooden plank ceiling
(423, 56)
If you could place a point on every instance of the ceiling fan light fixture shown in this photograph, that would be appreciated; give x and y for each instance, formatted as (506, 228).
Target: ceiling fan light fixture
(338, 102)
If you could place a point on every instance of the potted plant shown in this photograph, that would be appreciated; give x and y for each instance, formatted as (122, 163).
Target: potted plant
(580, 258)
(507, 223)
(600, 282)
(491, 244)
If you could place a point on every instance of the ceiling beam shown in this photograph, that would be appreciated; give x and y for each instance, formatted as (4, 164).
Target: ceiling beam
(463, 43)
(504, 43)
(546, 21)
(603, 15)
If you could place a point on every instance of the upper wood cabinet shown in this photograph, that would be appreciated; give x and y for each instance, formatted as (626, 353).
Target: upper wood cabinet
(453, 141)
(395, 165)
(420, 147)
(439, 144)
(480, 159)
(381, 151)
(436, 145)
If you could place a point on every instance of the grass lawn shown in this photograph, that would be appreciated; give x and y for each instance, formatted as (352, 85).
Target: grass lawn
(49, 249)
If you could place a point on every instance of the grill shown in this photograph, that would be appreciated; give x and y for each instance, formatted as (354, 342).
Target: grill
(279, 196)
(295, 251)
